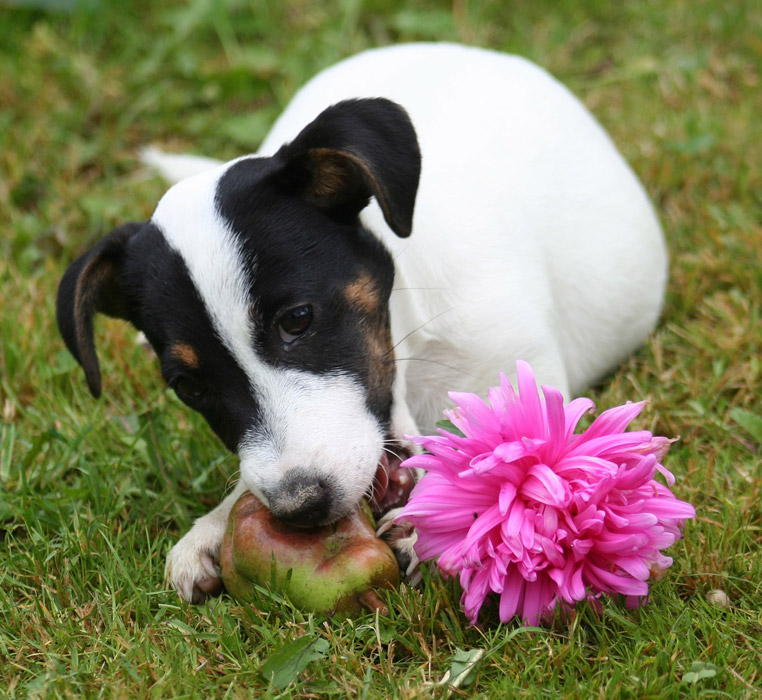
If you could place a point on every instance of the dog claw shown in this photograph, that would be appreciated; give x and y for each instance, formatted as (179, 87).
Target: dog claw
(415, 579)
(209, 588)
(199, 590)
(413, 572)
(194, 574)
(386, 522)
(210, 566)
(185, 590)
(401, 537)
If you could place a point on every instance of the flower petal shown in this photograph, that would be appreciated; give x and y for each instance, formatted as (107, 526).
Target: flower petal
(530, 401)
(512, 597)
(574, 411)
(507, 494)
(543, 485)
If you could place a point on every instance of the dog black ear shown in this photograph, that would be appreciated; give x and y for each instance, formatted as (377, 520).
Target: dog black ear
(352, 151)
(91, 285)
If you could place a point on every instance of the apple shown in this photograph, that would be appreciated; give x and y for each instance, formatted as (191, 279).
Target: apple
(333, 569)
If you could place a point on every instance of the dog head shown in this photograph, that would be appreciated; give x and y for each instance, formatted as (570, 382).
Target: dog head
(266, 302)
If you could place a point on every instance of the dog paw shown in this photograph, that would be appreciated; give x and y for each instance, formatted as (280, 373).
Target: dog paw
(401, 538)
(193, 569)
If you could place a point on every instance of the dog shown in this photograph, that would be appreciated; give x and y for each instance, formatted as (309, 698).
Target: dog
(419, 218)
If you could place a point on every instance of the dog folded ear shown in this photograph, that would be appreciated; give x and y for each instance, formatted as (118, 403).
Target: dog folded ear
(352, 151)
(91, 285)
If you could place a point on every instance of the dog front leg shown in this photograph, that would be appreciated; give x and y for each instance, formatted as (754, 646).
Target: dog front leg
(193, 563)
(401, 537)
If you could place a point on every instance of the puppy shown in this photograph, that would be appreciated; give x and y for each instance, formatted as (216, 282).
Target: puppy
(289, 304)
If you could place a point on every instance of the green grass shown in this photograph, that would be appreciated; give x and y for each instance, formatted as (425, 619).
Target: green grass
(94, 494)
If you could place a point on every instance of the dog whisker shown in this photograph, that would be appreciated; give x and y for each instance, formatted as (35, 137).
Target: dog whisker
(231, 482)
(400, 455)
(434, 362)
(415, 330)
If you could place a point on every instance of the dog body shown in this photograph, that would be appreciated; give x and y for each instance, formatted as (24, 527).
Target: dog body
(310, 330)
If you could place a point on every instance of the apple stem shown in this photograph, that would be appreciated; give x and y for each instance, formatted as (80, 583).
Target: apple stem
(372, 602)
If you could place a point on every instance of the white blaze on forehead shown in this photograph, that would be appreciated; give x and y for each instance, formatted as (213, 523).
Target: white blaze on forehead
(188, 217)
(308, 420)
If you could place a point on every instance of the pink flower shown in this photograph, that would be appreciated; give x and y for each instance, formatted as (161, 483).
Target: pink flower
(522, 506)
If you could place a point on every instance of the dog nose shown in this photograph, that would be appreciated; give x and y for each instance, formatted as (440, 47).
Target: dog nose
(302, 499)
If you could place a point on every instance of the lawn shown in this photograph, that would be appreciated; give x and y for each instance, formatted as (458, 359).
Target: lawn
(94, 493)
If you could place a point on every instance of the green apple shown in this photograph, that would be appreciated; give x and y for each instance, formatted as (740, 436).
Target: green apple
(331, 569)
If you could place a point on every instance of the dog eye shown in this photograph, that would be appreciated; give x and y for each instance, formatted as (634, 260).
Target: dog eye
(294, 323)
(189, 389)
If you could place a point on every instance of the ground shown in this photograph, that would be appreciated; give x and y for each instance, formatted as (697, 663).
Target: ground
(95, 492)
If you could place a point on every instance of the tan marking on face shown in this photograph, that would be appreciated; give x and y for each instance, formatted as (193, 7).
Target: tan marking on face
(362, 294)
(379, 338)
(185, 354)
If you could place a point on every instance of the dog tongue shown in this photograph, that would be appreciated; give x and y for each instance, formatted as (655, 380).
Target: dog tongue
(391, 486)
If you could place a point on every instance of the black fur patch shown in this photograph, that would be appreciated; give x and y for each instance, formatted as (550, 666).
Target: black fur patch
(166, 307)
(301, 255)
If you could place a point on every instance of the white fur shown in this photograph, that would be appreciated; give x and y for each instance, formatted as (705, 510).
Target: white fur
(532, 238)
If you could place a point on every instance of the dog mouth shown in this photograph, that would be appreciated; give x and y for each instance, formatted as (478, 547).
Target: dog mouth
(392, 483)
